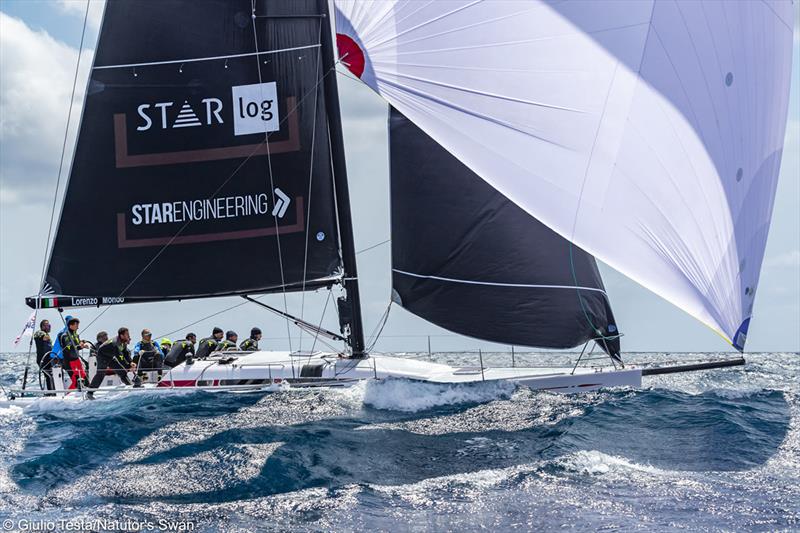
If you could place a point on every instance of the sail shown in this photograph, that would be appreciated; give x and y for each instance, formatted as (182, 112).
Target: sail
(202, 165)
(469, 260)
(648, 133)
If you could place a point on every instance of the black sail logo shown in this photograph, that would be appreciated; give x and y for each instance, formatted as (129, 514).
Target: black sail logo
(211, 126)
(251, 110)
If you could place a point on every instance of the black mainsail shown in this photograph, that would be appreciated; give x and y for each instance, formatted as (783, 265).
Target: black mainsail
(203, 164)
(469, 260)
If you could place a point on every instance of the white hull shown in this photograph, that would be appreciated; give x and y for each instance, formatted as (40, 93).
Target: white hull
(265, 371)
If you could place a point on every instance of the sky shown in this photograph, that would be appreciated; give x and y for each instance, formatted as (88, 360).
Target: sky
(39, 43)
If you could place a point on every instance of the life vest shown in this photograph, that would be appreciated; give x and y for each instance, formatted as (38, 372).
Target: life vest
(70, 344)
(121, 348)
(206, 346)
(249, 345)
(226, 345)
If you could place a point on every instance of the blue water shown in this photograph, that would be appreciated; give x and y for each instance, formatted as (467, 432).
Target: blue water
(715, 450)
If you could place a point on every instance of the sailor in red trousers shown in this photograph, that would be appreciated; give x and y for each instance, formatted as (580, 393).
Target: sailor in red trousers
(71, 344)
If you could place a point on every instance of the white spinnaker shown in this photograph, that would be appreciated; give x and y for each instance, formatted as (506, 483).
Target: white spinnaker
(648, 133)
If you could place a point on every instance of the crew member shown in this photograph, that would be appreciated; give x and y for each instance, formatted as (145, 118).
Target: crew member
(102, 337)
(209, 344)
(147, 354)
(114, 355)
(229, 343)
(181, 351)
(251, 344)
(71, 345)
(166, 345)
(44, 345)
(57, 355)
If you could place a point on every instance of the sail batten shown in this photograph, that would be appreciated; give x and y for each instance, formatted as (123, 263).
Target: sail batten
(668, 171)
(209, 58)
(501, 284)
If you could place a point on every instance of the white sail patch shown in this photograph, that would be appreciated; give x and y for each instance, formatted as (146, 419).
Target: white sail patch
(255, 108)
(186, 118)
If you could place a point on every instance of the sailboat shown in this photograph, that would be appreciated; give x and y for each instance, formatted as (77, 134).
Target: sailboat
(526, 140)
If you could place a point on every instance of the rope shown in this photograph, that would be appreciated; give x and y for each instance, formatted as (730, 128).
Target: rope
(210, 58)
(182, 328)
(382, 322)
(58, 183)
(316, 335)
(310, 182)
(596, 330)
(368, 248)
(272, 182)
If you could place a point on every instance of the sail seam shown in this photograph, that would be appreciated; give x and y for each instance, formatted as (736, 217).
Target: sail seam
(497, 284)
(209, 58)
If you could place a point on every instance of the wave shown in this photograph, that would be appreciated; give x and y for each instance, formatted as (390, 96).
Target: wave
(412, 396)
(594, 462)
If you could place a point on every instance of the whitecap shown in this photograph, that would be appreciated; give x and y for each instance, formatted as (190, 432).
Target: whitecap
(413, 396)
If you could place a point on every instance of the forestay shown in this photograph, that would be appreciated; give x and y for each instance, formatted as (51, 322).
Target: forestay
(202, 164)
(470, 260)
(648, 133)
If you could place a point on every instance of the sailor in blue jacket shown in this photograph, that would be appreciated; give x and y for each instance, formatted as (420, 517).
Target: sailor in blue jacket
(57, 353)
(147, 354)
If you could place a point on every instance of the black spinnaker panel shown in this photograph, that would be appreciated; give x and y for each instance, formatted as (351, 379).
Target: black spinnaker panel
(173, 191)
(469, 260)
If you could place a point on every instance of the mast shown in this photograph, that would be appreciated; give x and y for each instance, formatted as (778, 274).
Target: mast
(350, 307)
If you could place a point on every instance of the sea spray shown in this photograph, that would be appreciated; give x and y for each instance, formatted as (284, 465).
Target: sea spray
(413, 396)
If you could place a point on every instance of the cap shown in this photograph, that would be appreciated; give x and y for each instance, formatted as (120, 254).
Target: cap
(216, 330)
(165, 340)
(255, 331)
(230, 333)
(190, 334)
(72, 319)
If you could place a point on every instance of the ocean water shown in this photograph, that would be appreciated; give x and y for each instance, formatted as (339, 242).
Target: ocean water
(711, 451)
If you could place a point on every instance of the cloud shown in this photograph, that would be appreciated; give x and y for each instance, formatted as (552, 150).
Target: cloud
(77, 8)
(36, 76)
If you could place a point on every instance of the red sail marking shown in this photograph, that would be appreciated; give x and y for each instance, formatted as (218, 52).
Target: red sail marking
(351, 54)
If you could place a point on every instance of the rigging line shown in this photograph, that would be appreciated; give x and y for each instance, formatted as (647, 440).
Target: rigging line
(64, 145)
(368, 248)
(377, 325)
(299, 322)
(271, 180)
(58, 181)
(321, 318)
(382, 323)
(201, 320)
(228, 179)
(210, 58)
(335, 203)
(580, 195)
(310, 182)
